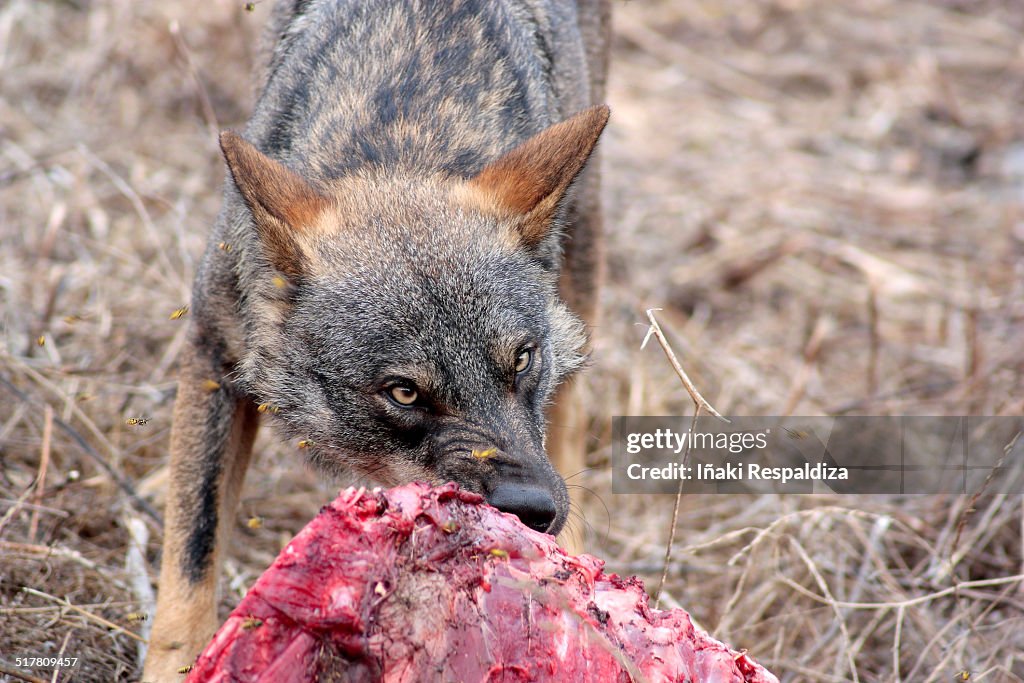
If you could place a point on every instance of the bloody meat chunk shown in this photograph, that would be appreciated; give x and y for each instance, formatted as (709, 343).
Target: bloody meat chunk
(432, 584)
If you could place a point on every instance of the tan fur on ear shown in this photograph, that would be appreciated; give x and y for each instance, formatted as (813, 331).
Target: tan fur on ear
(281, 202)
(531, 180)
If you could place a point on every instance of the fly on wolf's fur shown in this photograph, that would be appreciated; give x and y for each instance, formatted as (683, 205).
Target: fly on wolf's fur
(136, 617)
(179, 312)
(254, 522)
(41, 340)
(136, 421)
(266, 408)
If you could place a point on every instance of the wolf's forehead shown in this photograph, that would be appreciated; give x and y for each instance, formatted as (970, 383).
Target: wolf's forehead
(472, 291)
(423, 231)
(464, 287)
(418, 240)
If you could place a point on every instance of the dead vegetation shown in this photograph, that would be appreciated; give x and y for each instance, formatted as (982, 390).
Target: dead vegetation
(824, 198)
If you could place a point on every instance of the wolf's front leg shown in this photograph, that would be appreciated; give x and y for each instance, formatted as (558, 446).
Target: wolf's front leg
(211, 443)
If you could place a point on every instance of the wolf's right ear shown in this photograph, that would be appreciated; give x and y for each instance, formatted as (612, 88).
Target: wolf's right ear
(281, 202)
(530, 182)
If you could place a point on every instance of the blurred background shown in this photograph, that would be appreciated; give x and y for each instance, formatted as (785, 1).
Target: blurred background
(826, 200)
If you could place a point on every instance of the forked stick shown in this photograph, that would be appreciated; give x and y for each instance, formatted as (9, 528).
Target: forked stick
(655, 329)
(700, 403)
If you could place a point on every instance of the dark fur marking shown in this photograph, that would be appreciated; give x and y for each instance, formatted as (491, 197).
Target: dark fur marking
(201, 528)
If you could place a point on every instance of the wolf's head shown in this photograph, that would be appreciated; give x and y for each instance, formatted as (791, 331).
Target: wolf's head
(409, 327)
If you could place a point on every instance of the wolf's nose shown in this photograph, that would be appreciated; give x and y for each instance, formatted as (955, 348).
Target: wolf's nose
(534, 506)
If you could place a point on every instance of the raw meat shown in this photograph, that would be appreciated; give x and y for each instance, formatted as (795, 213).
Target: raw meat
(432, 584)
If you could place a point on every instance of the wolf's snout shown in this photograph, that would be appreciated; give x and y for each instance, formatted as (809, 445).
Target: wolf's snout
(533, 505)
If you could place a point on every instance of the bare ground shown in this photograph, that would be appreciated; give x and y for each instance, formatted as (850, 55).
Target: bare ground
(825, 199)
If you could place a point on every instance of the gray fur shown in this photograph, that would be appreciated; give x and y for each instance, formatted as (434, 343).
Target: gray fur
(365, 87)
(388, 110)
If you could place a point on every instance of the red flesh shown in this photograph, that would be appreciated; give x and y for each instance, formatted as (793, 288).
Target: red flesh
(423, 584)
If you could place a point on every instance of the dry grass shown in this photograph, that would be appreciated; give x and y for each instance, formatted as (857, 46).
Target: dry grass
(825, 198)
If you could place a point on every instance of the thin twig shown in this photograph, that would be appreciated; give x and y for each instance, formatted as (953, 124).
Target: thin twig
(44, 463)
(15, 508)
(872, 545)
(47, 609)
(875, 344)
(138, 577)
(830, 599)
(910, 602)
(174, 28)
(700, 403)
(166, 270)
(86, 613)
(955, 553)
(8, 670)
(897, 641)
(60, 656)
(121, 481)
(717, 72)
(48, 551)
(675, 514)
(655, 329)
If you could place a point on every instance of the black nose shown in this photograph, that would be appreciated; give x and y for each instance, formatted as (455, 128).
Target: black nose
(534, 506)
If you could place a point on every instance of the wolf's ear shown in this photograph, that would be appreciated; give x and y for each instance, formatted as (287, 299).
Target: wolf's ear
(531, 180)
(282, 203)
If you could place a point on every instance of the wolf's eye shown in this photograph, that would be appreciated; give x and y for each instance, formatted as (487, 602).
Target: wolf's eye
(524, 360)
(403, 395)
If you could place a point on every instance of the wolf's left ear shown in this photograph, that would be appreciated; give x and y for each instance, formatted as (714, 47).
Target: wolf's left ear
(281, 201)
(531, 181)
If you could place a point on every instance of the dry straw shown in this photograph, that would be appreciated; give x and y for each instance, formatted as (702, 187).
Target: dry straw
(825, 199)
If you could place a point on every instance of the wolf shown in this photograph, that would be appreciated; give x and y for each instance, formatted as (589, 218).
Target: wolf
(409, 245)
